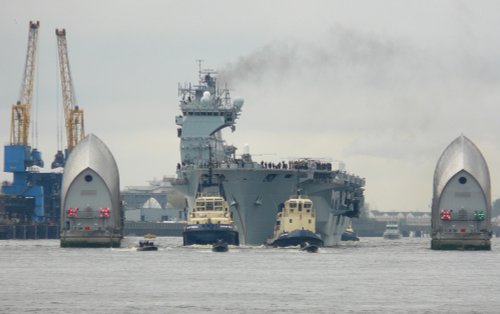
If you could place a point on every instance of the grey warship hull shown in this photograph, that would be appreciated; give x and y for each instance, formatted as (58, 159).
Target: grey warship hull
(254, 190)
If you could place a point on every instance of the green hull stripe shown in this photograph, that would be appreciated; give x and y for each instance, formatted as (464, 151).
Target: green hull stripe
(461, 245)
(113, 243)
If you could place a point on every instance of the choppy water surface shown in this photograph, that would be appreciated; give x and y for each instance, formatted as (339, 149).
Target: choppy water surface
(370, 276)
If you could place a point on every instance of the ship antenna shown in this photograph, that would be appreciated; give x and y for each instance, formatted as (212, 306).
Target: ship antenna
(297, 187)
(210, 164)
(200, 61)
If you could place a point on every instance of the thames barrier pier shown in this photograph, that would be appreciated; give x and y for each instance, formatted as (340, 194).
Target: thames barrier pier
(461, 202)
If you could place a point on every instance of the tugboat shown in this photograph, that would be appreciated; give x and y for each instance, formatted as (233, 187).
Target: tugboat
(392, 232)
(296, 225)
(146, 245)
(349, 234)
(210, 222)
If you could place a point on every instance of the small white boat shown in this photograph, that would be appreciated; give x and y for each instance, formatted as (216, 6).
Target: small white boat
(392, 232)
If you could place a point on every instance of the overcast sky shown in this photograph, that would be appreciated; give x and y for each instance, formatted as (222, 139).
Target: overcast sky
(383, 86)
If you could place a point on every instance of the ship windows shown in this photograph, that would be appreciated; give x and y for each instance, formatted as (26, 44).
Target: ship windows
(293, 205)
(290, 220)
(310, 221)
(307, 205)
(88, 178)
(462, 180)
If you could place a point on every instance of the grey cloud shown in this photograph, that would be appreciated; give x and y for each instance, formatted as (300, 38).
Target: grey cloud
(375, 89)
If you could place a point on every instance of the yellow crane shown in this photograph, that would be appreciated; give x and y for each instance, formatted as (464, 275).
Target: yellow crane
(21, 111)
(73, 115)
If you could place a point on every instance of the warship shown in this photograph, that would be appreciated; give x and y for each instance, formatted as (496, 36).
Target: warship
(254, 190)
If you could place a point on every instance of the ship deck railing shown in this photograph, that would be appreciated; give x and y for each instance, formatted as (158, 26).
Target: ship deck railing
(341, 177)
(209, 194)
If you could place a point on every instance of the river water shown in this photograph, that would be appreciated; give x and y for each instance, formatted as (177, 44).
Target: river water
(370, 276)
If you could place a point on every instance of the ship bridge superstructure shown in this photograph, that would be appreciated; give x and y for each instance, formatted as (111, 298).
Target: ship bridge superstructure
(206, 110)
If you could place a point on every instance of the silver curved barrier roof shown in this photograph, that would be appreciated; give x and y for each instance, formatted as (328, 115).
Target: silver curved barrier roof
(92, 153)
(461, 154)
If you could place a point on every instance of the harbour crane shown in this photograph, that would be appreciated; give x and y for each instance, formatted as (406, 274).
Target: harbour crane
(21, 111)
(73, 115)
(19, 157)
